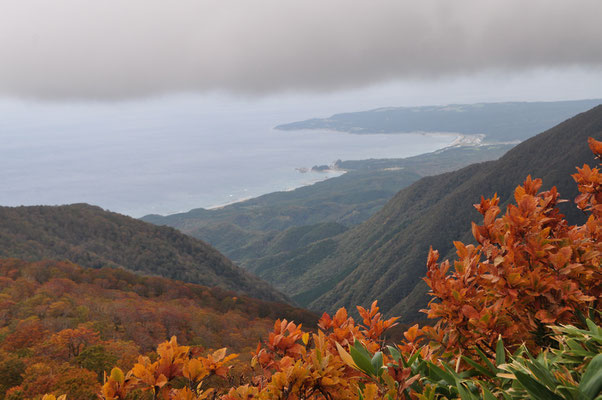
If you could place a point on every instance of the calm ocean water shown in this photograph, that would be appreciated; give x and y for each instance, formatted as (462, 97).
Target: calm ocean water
(169, 155)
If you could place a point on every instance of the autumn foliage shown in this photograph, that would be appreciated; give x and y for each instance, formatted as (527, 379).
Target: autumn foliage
(63, 326)
(293, 364)
(528, 272)
(501, 315)
(529, 269)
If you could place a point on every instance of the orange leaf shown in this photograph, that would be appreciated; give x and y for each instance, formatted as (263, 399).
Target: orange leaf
(412, 333)
(595, 146)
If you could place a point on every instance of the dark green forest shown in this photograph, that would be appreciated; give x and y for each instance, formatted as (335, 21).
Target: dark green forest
(93, 237)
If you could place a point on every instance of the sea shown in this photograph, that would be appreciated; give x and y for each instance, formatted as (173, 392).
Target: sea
(175, 153)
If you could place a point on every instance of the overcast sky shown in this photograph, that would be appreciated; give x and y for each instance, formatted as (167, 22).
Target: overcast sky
(114, 49)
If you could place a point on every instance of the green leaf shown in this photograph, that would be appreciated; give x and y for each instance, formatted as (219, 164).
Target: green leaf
(361, 348)
(592, 326)
(465, 394)
(441, 374)
(591, 381)
(486, 360)
(413, 359)
(522, 349)
(535, 389)
(487, 395)
(377, 363)
(500, 352)
(570, 392)
(478, 367)
(542, 374)
(360, 359)
(395, 354)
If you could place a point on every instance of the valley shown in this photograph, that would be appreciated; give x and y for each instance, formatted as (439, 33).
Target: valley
(331, 245)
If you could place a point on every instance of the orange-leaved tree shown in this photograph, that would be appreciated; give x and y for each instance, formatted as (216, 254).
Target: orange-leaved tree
(293, 364)
(529, 269)
(178, 373)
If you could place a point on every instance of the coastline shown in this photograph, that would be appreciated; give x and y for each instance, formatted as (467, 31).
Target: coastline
(218, 206)
(325, 176)
(461, 140)
(304, 174)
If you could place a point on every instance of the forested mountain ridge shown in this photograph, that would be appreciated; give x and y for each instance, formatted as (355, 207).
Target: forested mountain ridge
(498, 121)
(384, 258)
(93, 237)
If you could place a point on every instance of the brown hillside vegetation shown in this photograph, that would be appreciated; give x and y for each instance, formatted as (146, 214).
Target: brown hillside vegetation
(63, 325)
(93, 237)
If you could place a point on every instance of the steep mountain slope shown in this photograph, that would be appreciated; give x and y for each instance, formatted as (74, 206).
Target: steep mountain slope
(95, 238)
(498, 121)
(384, 258)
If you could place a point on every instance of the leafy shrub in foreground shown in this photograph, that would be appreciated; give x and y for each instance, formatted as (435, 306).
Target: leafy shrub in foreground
(530, 269)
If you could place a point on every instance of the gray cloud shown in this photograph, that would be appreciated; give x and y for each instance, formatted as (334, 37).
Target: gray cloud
(116, 48)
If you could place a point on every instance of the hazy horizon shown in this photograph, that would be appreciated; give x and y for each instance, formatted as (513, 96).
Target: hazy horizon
(85, 83)
(169, 155)
(69, 49)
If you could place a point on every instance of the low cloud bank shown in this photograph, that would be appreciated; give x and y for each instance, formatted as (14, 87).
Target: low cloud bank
(122, 49)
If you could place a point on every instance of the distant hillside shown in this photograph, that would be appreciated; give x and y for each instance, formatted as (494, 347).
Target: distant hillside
(498, 121)
(277, 222)
(133, 298)
(384, 258)
(95, 238)
(63, 326)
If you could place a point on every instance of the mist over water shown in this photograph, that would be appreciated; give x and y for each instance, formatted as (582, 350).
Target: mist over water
(169, 155)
